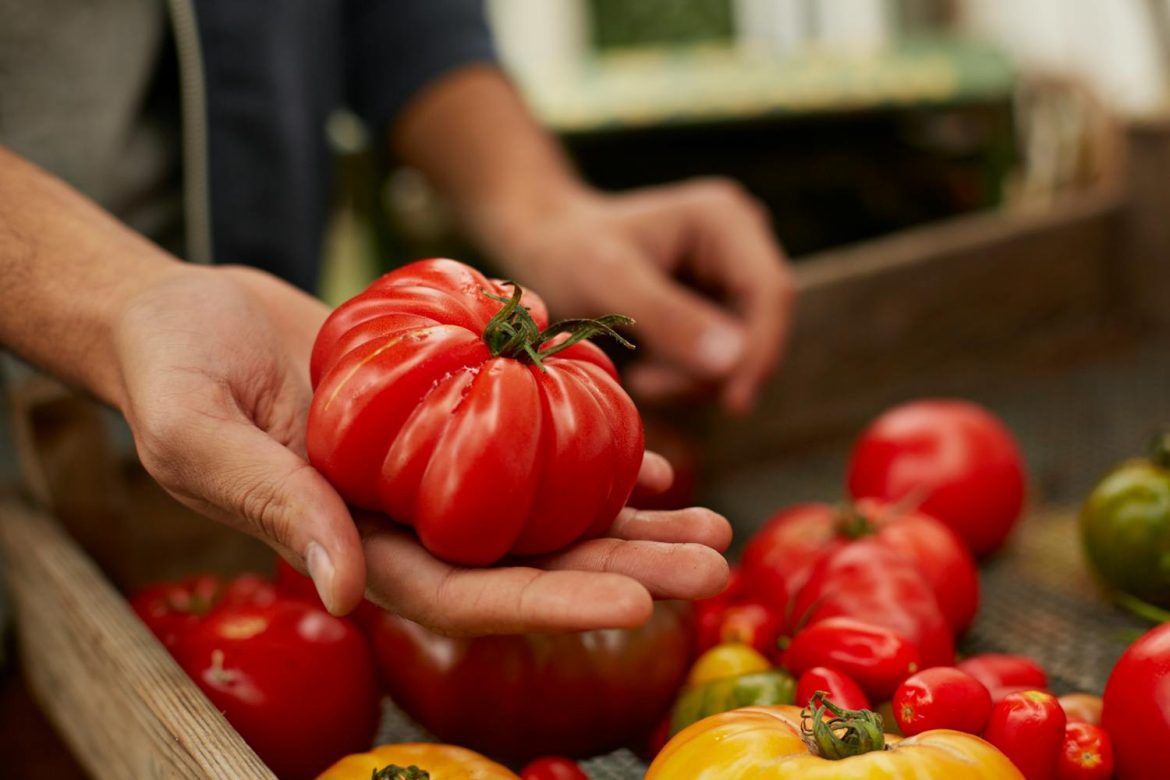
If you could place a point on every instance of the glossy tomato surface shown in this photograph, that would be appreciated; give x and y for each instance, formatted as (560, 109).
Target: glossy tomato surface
(1136, 710)
(552, 768)
(525, 696)
(780, 557)
(941, 698)
(949, 458)
(429, 407)
(171, 610)
(876, 658)
(297, 683)
(1028, 728)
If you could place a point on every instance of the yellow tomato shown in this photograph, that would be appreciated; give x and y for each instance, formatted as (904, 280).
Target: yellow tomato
(730, 660)
(440, 762)
(765, 743)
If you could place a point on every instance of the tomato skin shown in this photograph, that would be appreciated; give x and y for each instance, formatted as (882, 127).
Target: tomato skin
(948, 458)
(483, 455)
(297, 683)
(779, 558)
(523, 696)
(876, 658)
(1082, 708)
(171, 610)
(869, 582)
(1001, 670)
(1125, 530)
(1136, 711)
(941, 698)
(552, 768)
(1029, 728)
(841, 690)
(1087, 753)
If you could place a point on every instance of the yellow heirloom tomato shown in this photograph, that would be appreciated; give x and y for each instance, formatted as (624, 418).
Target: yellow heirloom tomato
(729, 660)
(822, 742)
(417, 761)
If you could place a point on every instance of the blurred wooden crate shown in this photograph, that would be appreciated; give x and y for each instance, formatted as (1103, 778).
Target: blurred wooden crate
(982, 293)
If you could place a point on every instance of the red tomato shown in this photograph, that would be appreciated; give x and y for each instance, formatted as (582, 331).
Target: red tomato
(838, 687)
(779, 558)
(872, 583)
(948, 458)
(752, 624)
(878, 659)
(1082, 708)
(1002, 674)
(552, 768)
(171, 609)
(941, 698)
(1136, 710)
(1087, 753)
(297, 683)
(1028, 728)
(463, 417)
(519, 697)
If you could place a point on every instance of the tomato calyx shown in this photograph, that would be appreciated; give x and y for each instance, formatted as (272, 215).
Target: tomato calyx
(847, 733)
(395, 772)
(513, 333)
(852, 523)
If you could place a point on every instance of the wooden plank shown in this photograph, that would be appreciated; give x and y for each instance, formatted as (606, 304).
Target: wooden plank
(122, 704)
(970, 294)
(1146, 263)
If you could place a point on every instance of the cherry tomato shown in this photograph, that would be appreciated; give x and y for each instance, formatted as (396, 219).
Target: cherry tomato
(876, 658)
(948, 458)
(840, 689)
(1081, 708)
(751, 623)
(730, 660)
(1136, 710)
(1087, 753)
(998, 671)
(941, 698)
(297, 683)
(1028, 728)
(552, 768)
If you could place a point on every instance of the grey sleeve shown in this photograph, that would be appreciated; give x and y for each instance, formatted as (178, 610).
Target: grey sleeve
(394, 48)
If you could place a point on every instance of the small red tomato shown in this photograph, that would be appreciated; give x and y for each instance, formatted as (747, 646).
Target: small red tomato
(1028, 728)
(878, 659)
(941, 698)
(840, 689)
(1087, 753)
(999, 670)
(1003, 691)
(949, 458)
(552, 768)
(752, 624)
(1082, 708)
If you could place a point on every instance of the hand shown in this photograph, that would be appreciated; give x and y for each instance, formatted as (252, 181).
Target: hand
(214, 383)
(626, 254)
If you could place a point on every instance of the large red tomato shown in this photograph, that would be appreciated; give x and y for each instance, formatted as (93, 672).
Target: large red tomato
(521, 697)
(1136, 709)
(442, 399)
(952, 460)
(780, 556)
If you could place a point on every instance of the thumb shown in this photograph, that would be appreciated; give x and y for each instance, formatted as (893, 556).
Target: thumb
(237, 473)
(676, 323)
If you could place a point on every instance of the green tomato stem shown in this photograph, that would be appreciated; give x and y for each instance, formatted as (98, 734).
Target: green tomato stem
(847, 733)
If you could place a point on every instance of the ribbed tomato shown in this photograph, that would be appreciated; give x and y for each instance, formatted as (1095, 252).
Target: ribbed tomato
(443, 399)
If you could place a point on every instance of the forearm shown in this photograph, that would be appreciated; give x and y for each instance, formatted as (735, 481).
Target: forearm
(474, 139)
(67, 271)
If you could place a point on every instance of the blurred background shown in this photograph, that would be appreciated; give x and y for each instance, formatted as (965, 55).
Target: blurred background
(850, 119)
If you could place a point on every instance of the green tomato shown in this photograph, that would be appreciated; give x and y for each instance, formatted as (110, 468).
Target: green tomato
(773, 686)
(1125, 529)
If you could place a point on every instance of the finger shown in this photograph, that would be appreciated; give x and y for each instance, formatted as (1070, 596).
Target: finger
(656, 474)
(676, 323)
(655, 381)
(668, 571)
(696, 525)
(235, 472)
(406, 579)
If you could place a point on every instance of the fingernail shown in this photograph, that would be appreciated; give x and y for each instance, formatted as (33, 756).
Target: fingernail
(719, 349)
(321, 571)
